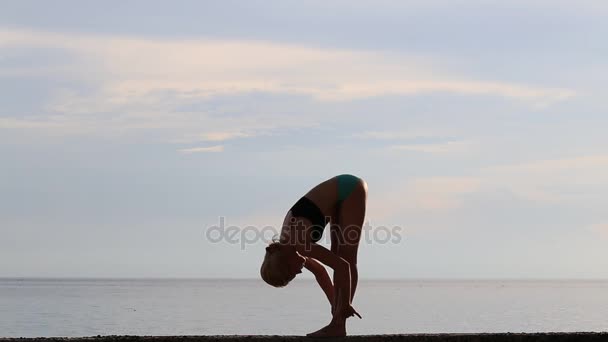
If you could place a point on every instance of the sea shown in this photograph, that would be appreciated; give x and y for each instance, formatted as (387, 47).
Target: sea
(91, 307)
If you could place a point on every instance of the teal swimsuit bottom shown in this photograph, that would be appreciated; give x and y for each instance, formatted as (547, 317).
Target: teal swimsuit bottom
(346, 185)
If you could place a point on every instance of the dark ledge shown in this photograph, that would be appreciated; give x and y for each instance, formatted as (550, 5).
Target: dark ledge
(503, 337)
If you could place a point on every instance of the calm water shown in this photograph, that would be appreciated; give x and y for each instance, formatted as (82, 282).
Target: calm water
(177, 307)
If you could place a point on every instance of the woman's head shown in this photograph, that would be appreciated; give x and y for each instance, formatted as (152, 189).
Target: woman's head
(281, 264)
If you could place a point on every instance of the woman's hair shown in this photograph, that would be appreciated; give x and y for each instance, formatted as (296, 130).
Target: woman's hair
(274, 270)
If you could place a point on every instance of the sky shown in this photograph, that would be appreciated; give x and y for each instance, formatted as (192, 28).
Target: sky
(130, 129)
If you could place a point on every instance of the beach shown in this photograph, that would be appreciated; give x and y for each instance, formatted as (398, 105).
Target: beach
(507, 337)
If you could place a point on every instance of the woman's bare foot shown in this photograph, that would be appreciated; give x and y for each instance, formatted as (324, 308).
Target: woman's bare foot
(331, 330)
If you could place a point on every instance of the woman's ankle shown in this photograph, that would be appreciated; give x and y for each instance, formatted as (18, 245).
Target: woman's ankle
(339, 321)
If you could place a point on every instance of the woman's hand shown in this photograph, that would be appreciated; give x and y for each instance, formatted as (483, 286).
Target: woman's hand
(348, 312)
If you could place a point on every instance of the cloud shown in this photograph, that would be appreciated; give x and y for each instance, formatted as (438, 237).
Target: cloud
(571, 180)
(600, 229)
(409, 134)
(213, 149)
(222, 136)
(446, 147)
(137, 66)
(418, 140)
(439, 193)
(560, 180)
(575, 181)
(12, 123)
(422, 194)
(141, 83)
(561, 164)
(218, 136)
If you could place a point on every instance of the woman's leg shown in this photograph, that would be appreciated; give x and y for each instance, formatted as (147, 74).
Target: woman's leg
(334, 231)
(351, 218)
(345, 236)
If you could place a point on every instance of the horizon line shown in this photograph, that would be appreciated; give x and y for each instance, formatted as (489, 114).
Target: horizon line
(430, 279)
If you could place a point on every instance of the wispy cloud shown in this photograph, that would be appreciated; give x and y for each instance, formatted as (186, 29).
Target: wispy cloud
(146, 79)
(541, 167)
(600, 229)
(417, 140)
(433, 193)
(548, 182)
(218, 136)
(222, 136)
(13, 123)
(397, 135)
(423, 194)
(213, 149)
(137, 66)
(446, 147)
(551, 180)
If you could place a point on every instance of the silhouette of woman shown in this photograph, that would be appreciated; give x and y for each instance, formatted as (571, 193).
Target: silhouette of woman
(339, 201)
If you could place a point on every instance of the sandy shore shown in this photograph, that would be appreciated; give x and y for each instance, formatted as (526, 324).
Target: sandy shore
(508, 337)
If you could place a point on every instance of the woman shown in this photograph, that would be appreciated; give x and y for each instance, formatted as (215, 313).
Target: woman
(339, 201)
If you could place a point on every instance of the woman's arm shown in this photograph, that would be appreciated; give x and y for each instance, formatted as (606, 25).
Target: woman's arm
(341, 269)
(322, 278)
